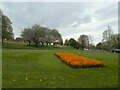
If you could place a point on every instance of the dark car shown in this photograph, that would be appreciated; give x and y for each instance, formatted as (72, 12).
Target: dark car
(116, 51)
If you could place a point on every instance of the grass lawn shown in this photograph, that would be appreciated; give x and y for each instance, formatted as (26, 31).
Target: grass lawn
(41, 68)
(22, 45)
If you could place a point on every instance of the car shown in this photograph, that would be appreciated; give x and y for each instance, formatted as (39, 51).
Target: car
(116, 51)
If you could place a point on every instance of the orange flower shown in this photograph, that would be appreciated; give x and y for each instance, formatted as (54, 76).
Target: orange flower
(75, 60)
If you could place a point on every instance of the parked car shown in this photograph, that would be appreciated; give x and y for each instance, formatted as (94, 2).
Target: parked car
(116, 51)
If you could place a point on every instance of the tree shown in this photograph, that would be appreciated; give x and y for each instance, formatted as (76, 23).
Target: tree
(48, 39)
(107, 34)
(77, 45)
(110, 40)
(27, 34)
(55, 35)
(107, 37)
(37, 34)
(40, 35)
(66, 42)
(90, 42)
(0, 25)
(73, 43)
(99, 46)
(84, 41)
(43, 32)
(91, 46)
(114, 41)
(118, 40)
(33, 33)
(7, 30)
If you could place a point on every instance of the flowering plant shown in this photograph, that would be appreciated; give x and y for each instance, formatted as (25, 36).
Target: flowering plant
(78, 61)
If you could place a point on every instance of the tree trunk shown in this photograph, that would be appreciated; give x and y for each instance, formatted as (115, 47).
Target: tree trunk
(36, 44)
(47, 43)
(53, 44)
(2, 40)
(29, 42)
(42, 43)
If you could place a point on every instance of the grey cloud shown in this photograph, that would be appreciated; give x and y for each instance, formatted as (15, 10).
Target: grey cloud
(53, 15)
(65, 16)
(107, 11)
(83, 20)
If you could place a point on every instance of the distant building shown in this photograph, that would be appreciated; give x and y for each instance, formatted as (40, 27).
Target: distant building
(56, 43)
(18, 39)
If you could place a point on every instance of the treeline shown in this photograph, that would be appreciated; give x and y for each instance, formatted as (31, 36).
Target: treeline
(34, 34)
(110, 40)
(83, 42)
(41, 35)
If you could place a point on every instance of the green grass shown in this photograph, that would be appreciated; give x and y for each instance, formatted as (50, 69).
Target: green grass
(19, 64)
(0, 65)
(22, 45)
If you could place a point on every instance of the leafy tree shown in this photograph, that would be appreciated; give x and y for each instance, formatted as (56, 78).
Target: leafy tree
(0, 25)
(27, 34)
(73, 43)
(48, 35)
(37, 34)
(118, 40)
(7, 30)
(99, 46)
(107, 34)
(32, 34)
(102, 46)
(84, 41)
(107, 38)
(66, 42)
(77, 45)
(40, 35)
(110, 40)
(114, 41)
(91, 46)
(55, 35)
(90, 42)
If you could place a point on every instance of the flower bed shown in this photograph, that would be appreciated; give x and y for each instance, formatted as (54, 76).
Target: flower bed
(78, 61)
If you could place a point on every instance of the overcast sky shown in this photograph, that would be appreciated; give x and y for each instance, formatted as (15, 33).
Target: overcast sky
(71, 19)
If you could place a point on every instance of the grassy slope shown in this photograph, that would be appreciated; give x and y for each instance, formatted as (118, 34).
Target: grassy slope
(22, 45)
(19, 64)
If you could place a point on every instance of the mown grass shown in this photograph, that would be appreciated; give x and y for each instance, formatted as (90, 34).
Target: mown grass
(44, 70)
(24, 45)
